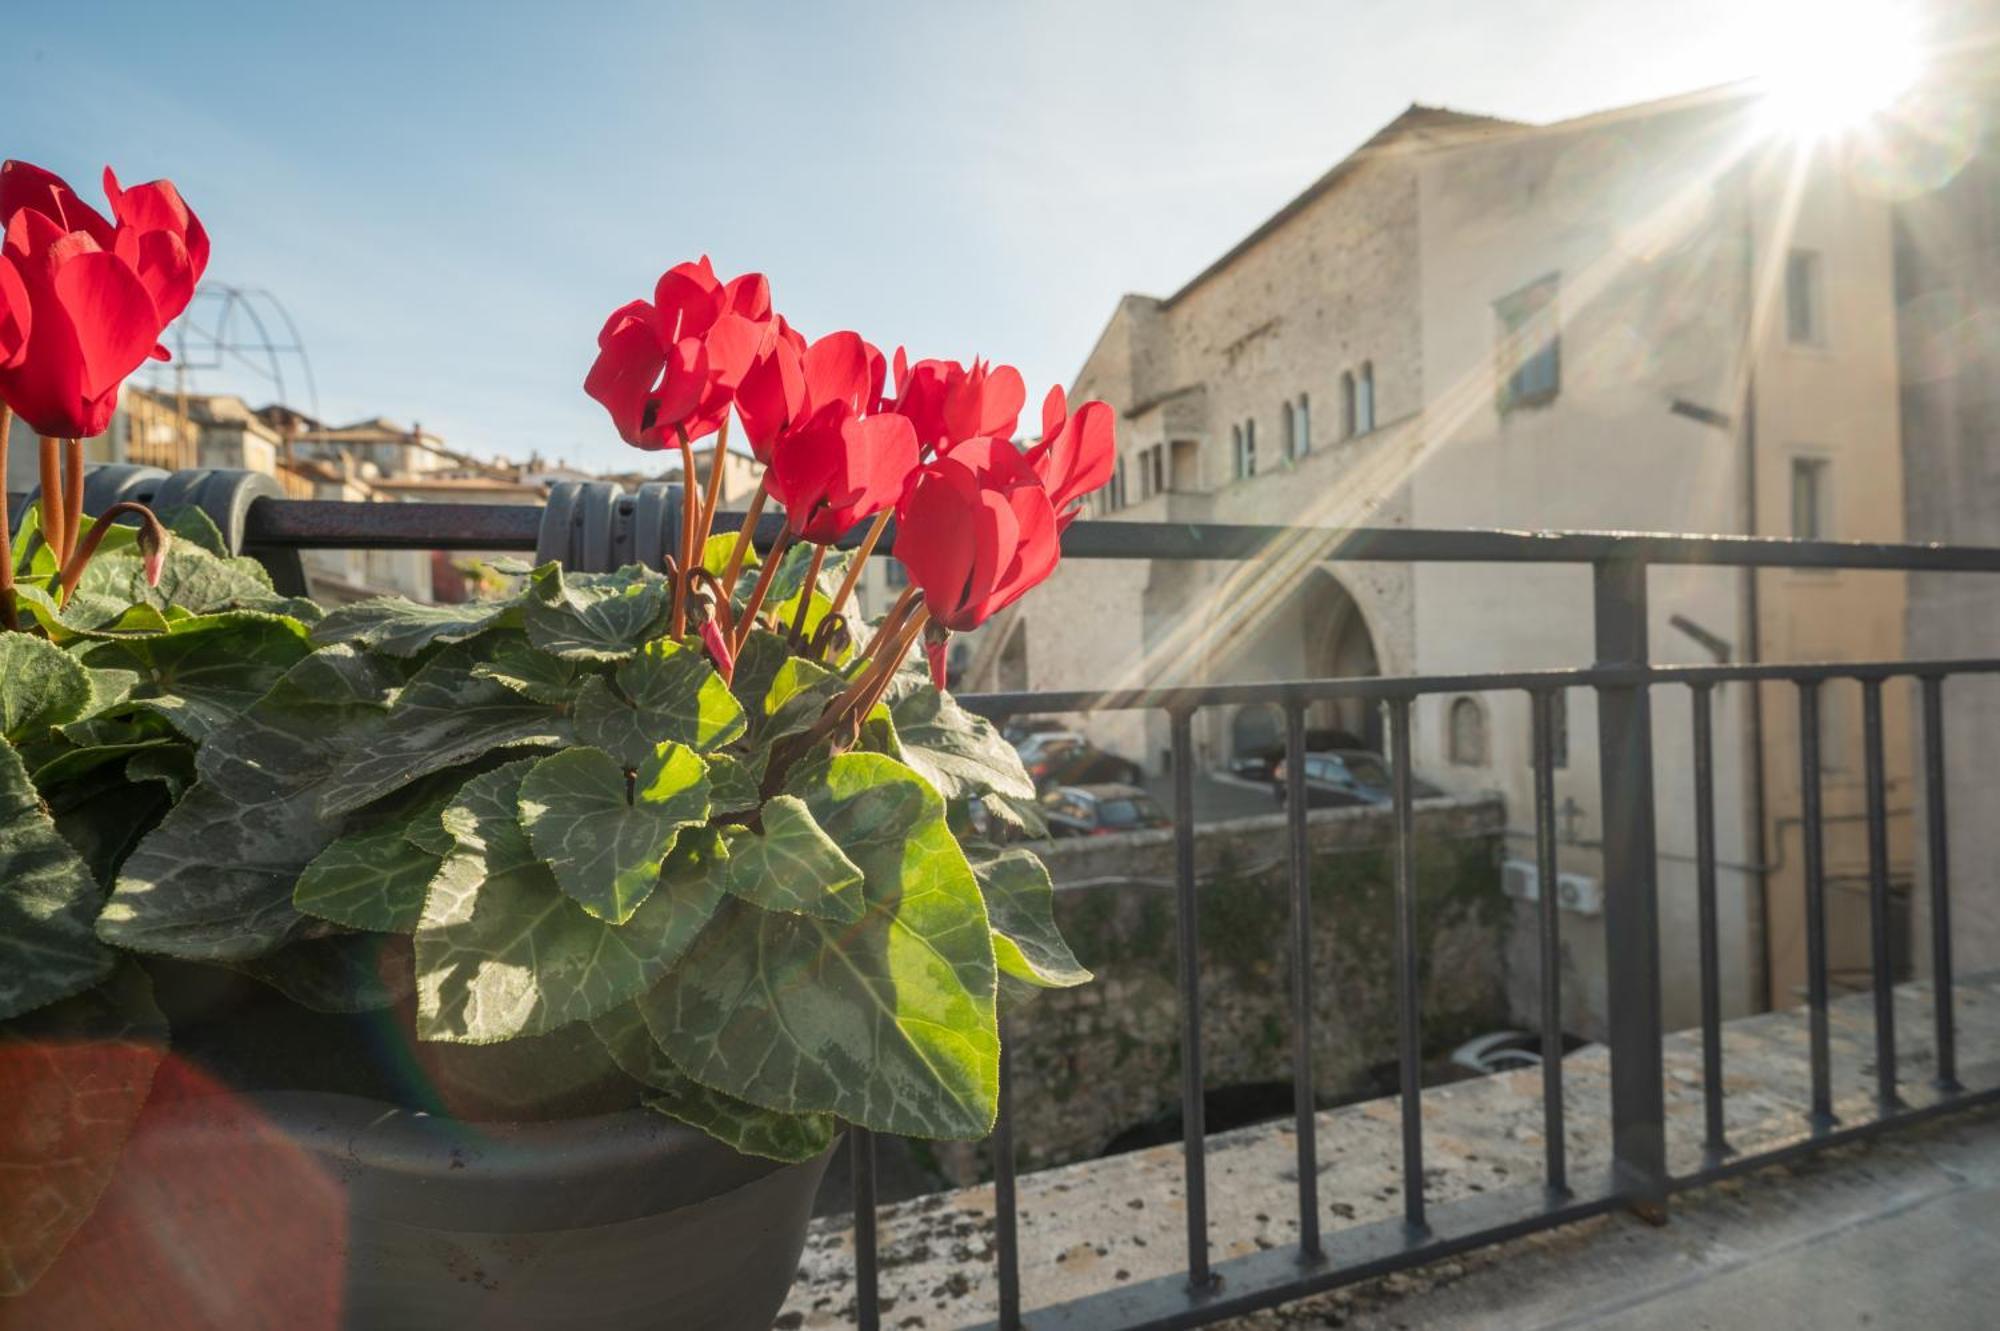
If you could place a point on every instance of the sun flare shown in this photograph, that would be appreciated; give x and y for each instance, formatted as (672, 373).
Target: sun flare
(1831, 66)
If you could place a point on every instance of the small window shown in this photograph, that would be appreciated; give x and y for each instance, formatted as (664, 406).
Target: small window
(1467, 738)
(1305, 425)
(1528, 353)
(1811, 500)
(1346, 404)
(1236, 451)
(1245, 438)
(1291, 419)
(1118, 487)
(1364, 398)
(1153, 463)
(895, 574)
(1805, 299)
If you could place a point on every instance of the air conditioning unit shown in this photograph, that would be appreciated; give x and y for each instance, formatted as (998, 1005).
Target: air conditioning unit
(1577, 893)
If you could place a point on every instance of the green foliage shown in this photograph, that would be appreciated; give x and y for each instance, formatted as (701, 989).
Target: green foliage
(529, 813)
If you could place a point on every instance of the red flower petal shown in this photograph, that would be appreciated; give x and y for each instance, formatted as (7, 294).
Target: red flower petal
(26, 186)
(17, 316)
(115, 320)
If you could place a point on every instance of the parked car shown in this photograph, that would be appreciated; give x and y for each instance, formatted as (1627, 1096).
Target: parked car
(1075, 761)
(1020, 728)
(1262, 764)
(1031, 746)
(1343, 778)
(1099, 810)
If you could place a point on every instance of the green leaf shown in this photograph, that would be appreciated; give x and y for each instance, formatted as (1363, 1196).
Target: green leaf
(798, 695)
(190, 524)
(404, 628)
(171, 765)
(757, 665)
(205, 669)
(959, 753)
(445, 716)
(595, 616)
(604, 835)
(1020, 902)
(103, 814)
(214, 881)
(745, 1127)
(793, 866)
(373, 879)
(734, 781)
(48, 901)
(77, 1073)
(41, 686)
(888, 1021)
(501, 952)
(666, 692)
(74, 764)
(191, 578)
(531, 673)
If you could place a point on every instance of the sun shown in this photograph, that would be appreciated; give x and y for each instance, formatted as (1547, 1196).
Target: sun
(1831, 66)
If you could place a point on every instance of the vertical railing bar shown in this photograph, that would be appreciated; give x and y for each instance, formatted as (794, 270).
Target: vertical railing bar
(1878, 896)
(1813, 833)
(1188, 935)
(867, 1274)
(1409, 1048)
(1303, 1106)
(1006, 1227)
(1715, 1143)
(1550, 936)
(1940, 865)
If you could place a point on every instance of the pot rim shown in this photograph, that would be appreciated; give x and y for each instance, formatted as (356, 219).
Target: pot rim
(447, 1173)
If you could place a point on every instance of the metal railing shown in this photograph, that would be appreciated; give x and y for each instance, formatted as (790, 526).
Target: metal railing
(594, 527)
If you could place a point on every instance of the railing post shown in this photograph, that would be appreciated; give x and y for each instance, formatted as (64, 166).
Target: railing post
(1631, 892)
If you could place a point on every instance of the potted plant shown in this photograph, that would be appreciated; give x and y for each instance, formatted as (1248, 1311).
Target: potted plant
(577, 922)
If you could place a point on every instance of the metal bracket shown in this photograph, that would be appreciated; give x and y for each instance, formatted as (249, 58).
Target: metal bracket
(595, 527)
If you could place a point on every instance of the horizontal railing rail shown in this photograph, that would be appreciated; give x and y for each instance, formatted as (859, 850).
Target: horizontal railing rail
(595, 523)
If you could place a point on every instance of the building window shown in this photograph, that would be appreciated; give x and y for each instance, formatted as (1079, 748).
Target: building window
(1236, 450)
(1291, 419)
(1528, 353)
(1364, 398)
(1805, 299)
(1245, 438)
(1118, 487)
(1346, 404)
(1811, 500)
(1153, 468)
(895, 575)
(1305, 425)
(1467, 737)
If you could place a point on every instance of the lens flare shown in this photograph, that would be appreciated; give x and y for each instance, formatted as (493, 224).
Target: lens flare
(1832, 66)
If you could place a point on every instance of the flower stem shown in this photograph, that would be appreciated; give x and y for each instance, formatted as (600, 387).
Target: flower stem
(52, 504)
(860, 559)
(806, 593)
(713, 498)
(72, 496)
(153, 538)
(7, 614)
(689, 505)
(745, 535)
(758, 592)
(891, 621)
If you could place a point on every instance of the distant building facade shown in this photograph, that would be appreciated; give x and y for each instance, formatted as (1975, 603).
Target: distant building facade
(1644, 319)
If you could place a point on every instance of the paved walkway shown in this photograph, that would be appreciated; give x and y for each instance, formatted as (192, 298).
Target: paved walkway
(1902, 1232)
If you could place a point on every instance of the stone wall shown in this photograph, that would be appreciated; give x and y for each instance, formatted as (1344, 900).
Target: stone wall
(1092, 1062)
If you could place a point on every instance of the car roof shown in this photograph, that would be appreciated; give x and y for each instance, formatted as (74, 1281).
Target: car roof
(1106, 790)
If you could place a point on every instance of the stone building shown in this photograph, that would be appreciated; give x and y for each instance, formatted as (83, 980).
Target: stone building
(1664, 317)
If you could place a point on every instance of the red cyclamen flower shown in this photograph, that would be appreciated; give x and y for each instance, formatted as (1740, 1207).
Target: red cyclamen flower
(674, 364)
(976, 531)
(1076, 455)
(839, 468)
(949, 403)
(82, 301)
(790, 383)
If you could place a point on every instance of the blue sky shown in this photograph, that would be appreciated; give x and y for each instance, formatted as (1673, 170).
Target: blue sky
(450, 197)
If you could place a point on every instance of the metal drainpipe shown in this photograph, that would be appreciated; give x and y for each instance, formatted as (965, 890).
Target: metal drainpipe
(1753, 635)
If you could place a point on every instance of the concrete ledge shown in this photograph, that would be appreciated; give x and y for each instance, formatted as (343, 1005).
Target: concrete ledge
(1104, 1224)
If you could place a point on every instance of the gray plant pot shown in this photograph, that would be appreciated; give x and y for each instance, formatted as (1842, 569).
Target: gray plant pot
(401, 1220)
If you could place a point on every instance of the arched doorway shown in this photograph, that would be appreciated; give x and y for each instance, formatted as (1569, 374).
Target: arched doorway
(1338, 645)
